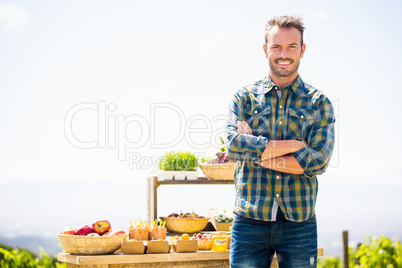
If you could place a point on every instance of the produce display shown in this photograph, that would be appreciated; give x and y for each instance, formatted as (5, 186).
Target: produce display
(142, 230)
(91, 239)
(221, 215)
(157, 230)
(173, 240)
(222, 218)
(144, 237)
(178, 161)
(185, 222)
(202, 237)
(99, 238)
(98, 228)
(187, 215)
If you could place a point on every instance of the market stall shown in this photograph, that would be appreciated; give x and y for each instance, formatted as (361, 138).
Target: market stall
(150, 243)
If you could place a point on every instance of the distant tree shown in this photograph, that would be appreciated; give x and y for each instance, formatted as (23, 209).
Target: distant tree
(379, 252)
(373, 253)
(18, 258)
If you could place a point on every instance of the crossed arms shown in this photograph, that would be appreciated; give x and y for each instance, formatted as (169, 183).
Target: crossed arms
(288, 156)
(278, 153)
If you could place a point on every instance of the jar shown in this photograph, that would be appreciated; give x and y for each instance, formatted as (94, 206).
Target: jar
(219, 243)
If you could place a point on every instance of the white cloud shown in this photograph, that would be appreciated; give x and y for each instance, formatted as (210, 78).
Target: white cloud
(12, 16)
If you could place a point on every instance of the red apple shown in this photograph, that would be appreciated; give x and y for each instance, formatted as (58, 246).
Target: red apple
(68, 231)
(102, 226)
(84, 230)
(119, 232)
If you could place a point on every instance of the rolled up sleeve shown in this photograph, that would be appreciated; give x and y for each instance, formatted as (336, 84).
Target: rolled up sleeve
(242, 147)
(315, 158)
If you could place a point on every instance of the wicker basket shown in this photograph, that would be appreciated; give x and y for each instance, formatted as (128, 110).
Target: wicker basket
(91, 245)
(224, 171)
(185, 225)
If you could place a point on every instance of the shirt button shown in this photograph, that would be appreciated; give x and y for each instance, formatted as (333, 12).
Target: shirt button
(280, 122)
(277, 195)
(302, 116)
(277, 177)
(280, 106)
(256, 112)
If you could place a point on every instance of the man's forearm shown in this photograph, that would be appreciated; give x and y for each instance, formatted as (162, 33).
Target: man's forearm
(286, 164)
(277, 148)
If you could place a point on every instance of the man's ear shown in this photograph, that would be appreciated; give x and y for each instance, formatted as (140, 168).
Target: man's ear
(303, 49)
(265, 50)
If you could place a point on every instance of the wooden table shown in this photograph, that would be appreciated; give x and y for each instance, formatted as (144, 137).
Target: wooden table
(200, 259)
(152, 191)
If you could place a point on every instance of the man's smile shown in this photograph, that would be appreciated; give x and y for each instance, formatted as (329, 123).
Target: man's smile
(283, 62)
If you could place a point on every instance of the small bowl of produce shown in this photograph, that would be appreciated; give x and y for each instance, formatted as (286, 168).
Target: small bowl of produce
(204, 241)
(218, 168)
(221, 219)
(185, 222)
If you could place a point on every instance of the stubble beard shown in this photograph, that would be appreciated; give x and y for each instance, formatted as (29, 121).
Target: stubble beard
(277, 71)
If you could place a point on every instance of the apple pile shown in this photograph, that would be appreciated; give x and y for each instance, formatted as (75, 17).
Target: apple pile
(98, 228)
(187, 215)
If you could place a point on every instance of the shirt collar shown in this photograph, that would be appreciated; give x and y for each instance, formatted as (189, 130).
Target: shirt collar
(298, 86)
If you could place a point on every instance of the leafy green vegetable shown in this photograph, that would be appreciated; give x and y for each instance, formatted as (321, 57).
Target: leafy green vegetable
(223, 149)
(222, 218)
(203, 160)
(178, 161)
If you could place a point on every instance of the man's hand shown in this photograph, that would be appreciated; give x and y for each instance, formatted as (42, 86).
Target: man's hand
(276, 148)
(243, 128)
(275, 155)
(286, 164)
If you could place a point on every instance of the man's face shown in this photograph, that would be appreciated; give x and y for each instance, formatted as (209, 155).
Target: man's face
(284, 51)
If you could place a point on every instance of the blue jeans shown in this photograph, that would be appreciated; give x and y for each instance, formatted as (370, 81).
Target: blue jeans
(254, 243)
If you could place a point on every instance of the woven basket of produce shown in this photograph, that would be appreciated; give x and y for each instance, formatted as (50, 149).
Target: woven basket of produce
(222, 171)
(91, 245)
(185, 225)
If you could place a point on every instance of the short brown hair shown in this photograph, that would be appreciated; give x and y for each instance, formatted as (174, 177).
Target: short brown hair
(285, 21)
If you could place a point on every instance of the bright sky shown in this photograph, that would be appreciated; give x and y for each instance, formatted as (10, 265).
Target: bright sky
(93, 92)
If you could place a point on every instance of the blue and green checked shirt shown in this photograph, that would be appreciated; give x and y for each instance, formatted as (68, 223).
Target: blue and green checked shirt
(301, 113)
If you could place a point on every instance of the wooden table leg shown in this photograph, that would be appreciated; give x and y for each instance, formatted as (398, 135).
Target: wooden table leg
(152, 198)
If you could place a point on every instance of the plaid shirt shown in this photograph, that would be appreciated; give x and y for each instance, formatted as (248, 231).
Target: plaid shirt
(302, 113)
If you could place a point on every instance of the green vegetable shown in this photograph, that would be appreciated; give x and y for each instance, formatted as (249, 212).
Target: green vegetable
(222, 218)
(203, 160)
(223, 149)
(178, 161)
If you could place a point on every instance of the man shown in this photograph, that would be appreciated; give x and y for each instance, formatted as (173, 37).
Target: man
(281, 132)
